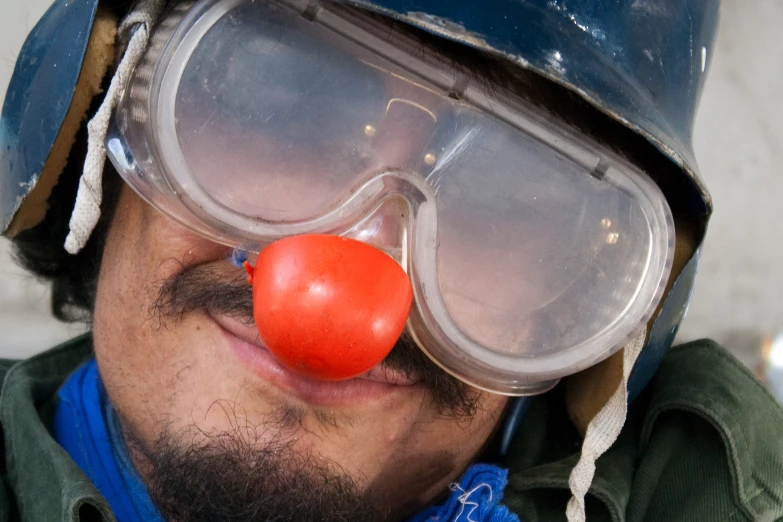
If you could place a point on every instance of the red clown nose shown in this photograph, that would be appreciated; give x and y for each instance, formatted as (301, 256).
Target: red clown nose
(328, 307)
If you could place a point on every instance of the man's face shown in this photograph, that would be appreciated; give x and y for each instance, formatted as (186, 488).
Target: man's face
(214, 423)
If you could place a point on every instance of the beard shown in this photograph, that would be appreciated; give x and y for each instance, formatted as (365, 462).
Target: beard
(246, 474)
(195, 477)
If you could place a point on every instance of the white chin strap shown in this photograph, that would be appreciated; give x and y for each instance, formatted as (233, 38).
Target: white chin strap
(87, 209)
(601, 433)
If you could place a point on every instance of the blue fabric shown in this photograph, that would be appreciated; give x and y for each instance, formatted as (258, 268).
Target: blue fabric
(514, 416)
(475, 499)
(86, 426)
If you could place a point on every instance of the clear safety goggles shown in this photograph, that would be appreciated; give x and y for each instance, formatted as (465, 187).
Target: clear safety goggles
(532, 252)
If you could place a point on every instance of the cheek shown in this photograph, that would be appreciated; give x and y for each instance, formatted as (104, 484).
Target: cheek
(138, 355)
(420, 466)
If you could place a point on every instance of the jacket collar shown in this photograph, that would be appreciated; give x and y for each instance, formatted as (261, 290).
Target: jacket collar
(46, 483)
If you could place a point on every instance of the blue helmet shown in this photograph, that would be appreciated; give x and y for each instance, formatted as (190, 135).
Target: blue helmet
(640, 63)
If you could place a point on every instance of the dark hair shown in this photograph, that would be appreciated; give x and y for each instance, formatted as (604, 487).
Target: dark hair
(40, 249)
(74, 277)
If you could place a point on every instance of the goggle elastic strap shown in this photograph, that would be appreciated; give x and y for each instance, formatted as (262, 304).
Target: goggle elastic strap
(602, 431)
(87, 208)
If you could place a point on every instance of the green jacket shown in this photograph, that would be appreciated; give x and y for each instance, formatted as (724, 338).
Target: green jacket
(703, 443)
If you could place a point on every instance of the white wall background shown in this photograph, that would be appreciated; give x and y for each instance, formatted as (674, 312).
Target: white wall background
(26, 326)
(739, 146)
(739, 143)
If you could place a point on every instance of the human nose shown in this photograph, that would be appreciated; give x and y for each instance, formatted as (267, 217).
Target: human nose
(328, 307)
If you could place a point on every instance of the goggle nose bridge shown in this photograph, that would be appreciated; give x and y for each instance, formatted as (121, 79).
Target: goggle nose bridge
(364, 201)
(388, 220)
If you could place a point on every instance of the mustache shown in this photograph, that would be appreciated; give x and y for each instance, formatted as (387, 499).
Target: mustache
(205, 287)
(219, 288)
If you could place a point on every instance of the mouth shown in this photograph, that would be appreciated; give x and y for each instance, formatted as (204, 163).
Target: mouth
(373, 385)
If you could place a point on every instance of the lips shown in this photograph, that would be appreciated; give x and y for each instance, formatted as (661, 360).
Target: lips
(372, 385)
